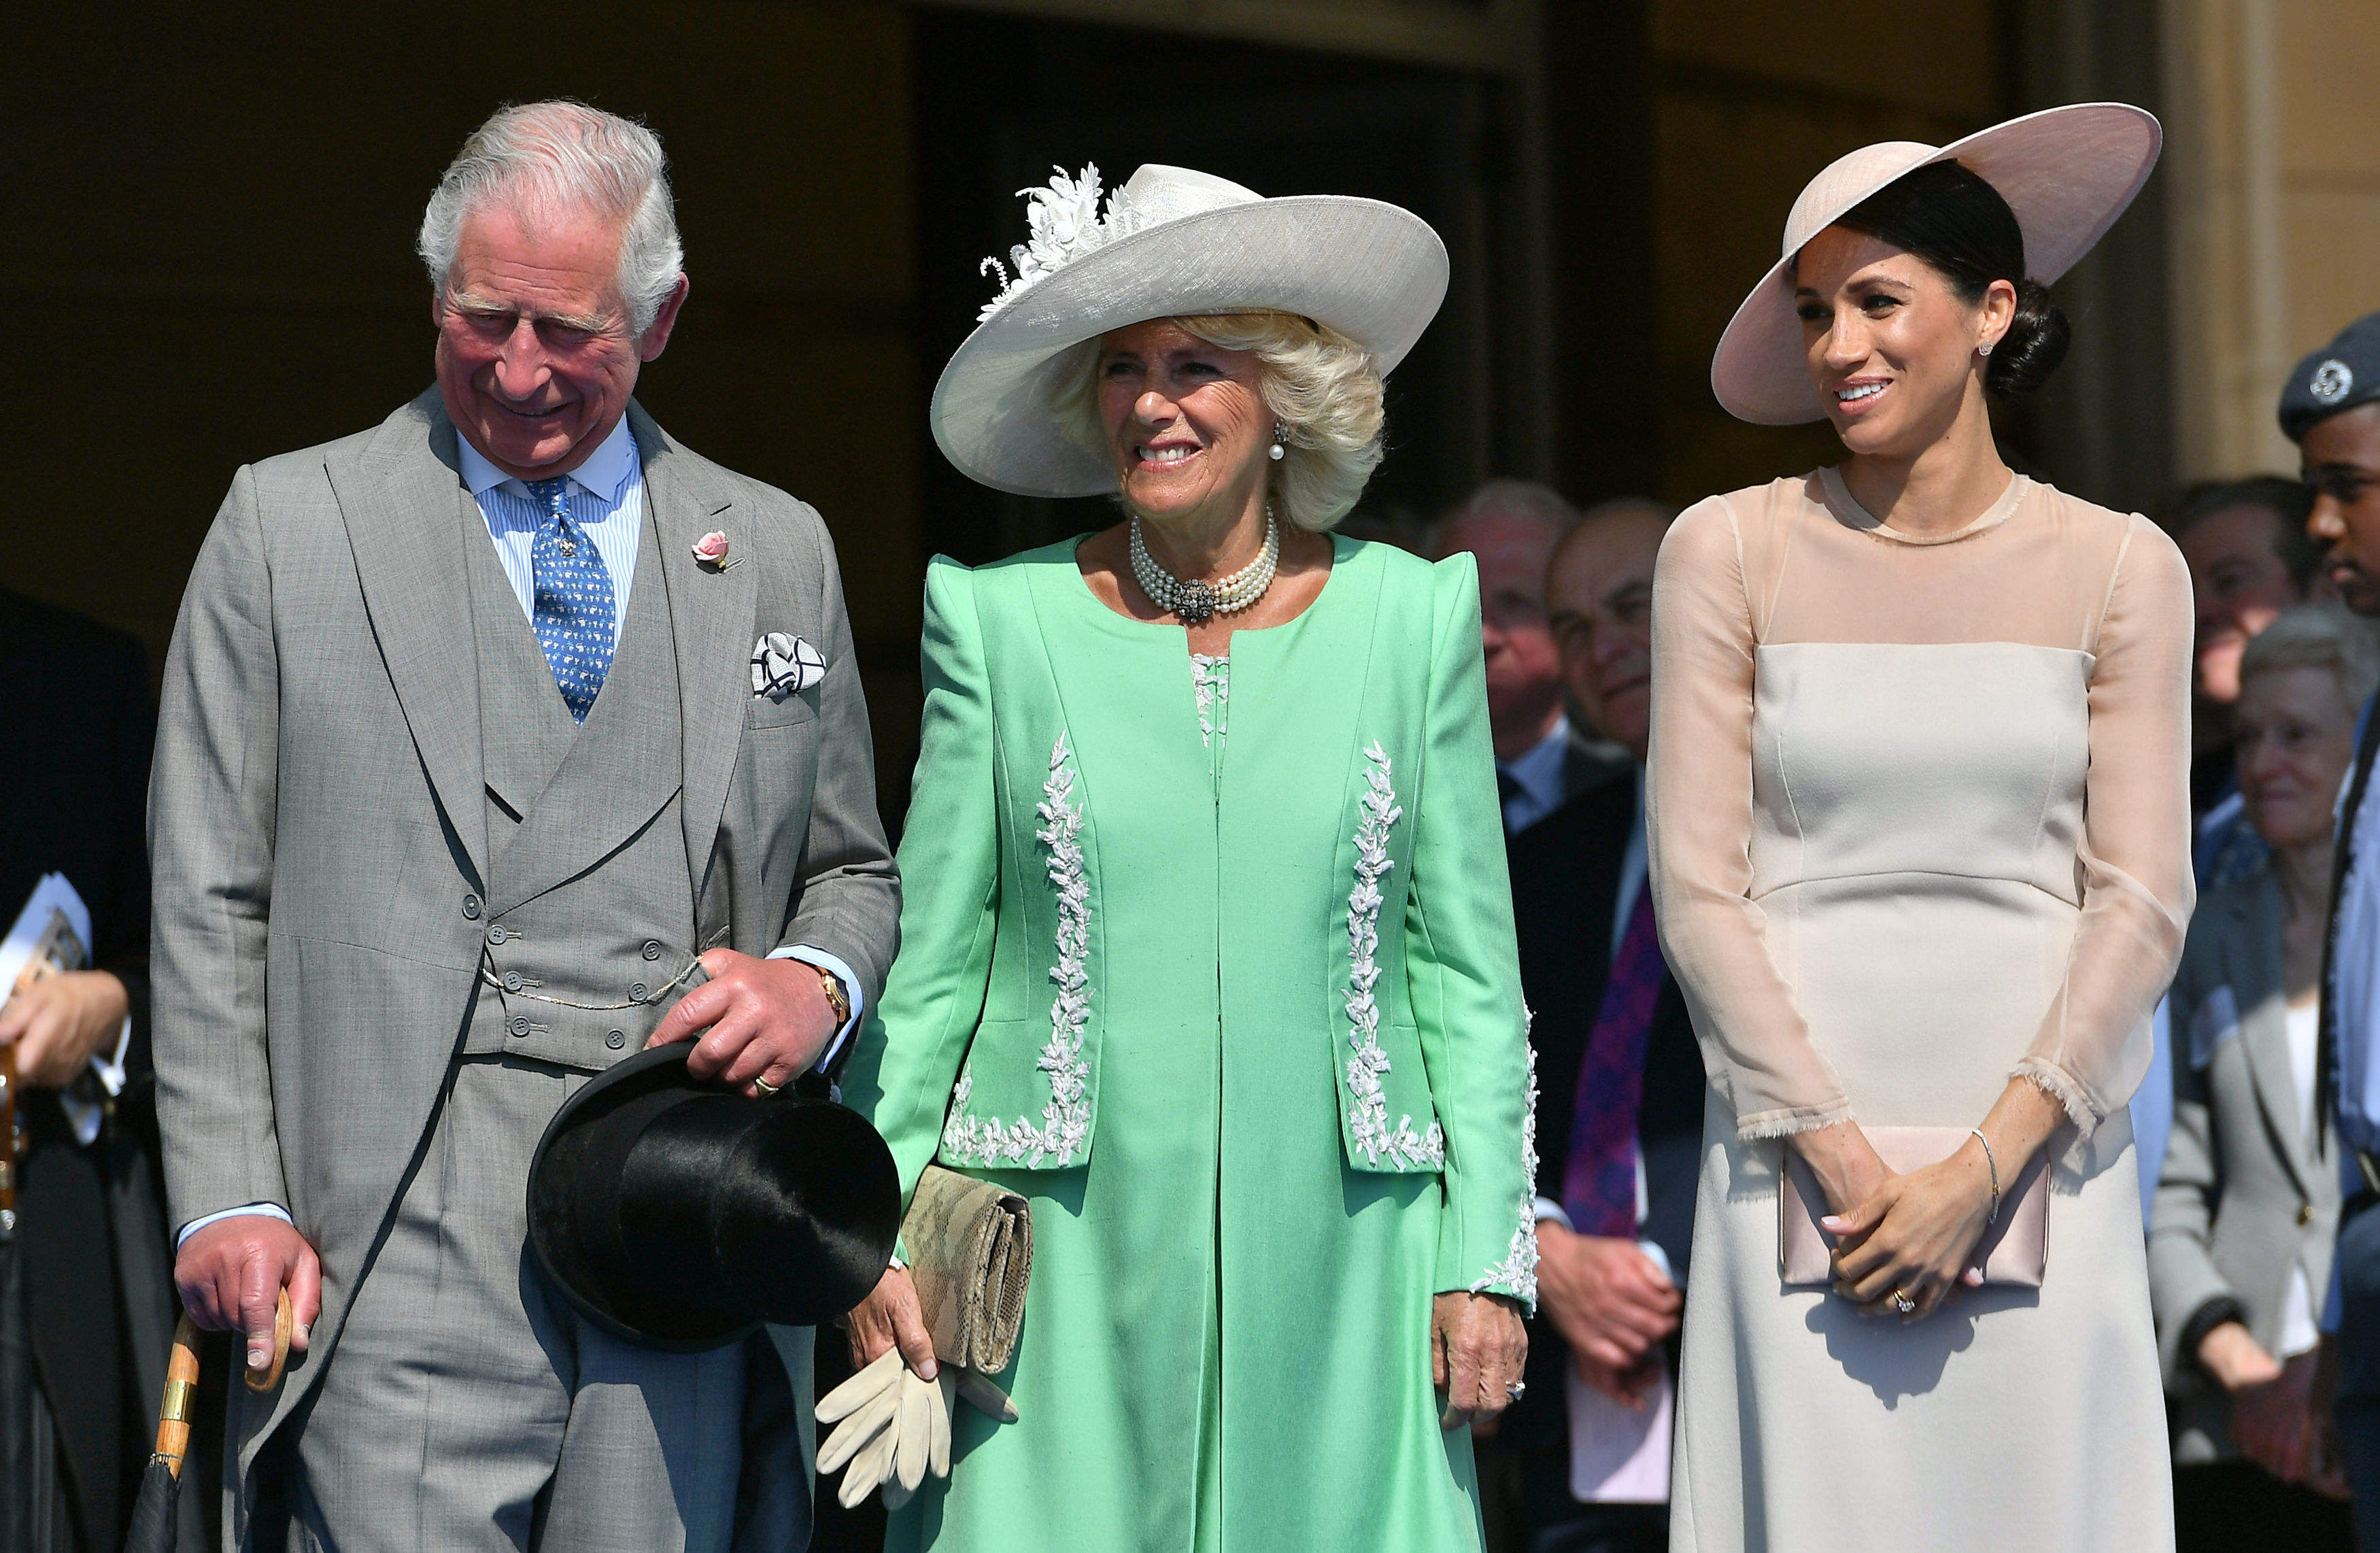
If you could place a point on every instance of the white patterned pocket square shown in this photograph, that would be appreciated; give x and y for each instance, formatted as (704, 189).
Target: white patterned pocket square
(785, 665)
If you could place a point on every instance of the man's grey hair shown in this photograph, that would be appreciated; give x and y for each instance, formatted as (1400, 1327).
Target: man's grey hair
(544, 160)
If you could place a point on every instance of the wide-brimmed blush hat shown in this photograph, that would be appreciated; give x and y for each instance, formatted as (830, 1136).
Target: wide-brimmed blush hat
(2067, 173)
(1172, 243)
(682, 1213)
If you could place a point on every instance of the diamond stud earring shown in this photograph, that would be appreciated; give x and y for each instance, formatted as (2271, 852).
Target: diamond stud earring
(1984, 349)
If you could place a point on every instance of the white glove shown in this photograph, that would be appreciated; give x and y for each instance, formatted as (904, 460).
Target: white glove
(894, 1428)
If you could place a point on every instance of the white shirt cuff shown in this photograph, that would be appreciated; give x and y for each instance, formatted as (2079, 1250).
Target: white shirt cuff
(109, 1065)
(1543, 1208)
(85, 1113)
(270, 1210)
(808, 955)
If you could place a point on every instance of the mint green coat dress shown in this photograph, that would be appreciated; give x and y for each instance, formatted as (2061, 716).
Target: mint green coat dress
(1223, 981)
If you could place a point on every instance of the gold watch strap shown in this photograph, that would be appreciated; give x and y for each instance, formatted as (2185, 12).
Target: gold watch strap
(834, 995)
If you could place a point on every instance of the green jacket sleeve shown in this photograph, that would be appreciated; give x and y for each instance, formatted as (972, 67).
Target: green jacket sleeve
(1465, 971)
(916, 1037)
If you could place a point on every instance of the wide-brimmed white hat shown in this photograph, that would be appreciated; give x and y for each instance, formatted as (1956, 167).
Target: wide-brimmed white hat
(1172, 244)
(2067, 174)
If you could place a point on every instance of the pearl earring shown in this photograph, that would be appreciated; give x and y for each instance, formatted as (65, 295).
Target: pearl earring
(1280, 435)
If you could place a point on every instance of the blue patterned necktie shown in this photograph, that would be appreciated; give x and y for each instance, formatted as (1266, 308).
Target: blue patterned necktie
(571, 601)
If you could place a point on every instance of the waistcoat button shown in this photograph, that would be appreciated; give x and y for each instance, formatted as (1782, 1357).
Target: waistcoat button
(512, 981)
(497, 935)
(2305, 1213)
(637, 991)
(520, 1026)
(471, 907)
(652, 949)
(617, 1039)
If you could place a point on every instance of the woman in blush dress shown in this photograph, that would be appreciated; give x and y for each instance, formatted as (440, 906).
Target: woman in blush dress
(1920, 837)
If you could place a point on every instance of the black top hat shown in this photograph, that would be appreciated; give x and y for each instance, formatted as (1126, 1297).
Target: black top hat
(681, 1214)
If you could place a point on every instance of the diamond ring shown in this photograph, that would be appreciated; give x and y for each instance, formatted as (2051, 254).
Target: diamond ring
(1902, 1303)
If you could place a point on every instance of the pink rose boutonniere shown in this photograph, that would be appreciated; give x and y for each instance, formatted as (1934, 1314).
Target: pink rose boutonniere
(711, 551)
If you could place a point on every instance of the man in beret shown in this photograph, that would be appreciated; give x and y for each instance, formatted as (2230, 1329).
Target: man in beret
(2331, 409)
(488, 733)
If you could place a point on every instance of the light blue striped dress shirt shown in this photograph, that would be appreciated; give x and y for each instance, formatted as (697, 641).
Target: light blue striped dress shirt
(607, 500)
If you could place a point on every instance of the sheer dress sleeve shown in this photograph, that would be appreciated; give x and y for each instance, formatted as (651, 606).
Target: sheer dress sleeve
(1756, 1043)
(2093, 1048)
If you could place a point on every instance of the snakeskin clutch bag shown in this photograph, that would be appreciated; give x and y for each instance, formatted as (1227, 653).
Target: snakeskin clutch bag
(2013, 1251)
(970, 1247)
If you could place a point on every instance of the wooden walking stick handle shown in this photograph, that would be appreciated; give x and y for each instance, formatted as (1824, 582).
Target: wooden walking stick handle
(267, 1378)
(181, 1396)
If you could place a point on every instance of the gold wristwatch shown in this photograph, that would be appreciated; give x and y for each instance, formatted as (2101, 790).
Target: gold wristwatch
(835, 998)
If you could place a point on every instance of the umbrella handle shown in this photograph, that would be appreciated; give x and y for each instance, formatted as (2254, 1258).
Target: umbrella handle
(265, 1379)
(181, 1396)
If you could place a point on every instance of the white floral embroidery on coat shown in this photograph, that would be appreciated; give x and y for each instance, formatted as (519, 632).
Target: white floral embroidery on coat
(1210, 677)
(1369, 1124)
(1066, 1120)
(1517, 1274)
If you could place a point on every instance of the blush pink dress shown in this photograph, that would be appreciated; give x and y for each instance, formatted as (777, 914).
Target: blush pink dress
(1919, 822)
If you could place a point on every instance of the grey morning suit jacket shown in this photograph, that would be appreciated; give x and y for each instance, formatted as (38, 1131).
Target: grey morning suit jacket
(319, 825)
(2247, 1188)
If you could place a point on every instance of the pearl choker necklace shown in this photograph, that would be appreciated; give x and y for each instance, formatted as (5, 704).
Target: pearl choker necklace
(1195, 602)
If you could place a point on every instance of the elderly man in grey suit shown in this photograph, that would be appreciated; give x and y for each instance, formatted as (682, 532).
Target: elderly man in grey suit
(487, 733)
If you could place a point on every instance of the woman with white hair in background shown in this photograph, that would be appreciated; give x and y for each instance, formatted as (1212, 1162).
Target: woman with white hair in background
(1919, 846)
(2247, 1207)
(1208, 950)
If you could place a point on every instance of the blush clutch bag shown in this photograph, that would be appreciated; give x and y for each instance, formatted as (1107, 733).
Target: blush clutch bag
(2013, 1251)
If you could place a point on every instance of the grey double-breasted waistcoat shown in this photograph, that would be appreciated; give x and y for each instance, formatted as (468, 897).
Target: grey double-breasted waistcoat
(578, 971)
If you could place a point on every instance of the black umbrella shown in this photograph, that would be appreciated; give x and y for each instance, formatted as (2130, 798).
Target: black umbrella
(155, 1525)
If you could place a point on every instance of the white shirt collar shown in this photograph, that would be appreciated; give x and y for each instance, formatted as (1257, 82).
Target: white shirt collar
(604, 472)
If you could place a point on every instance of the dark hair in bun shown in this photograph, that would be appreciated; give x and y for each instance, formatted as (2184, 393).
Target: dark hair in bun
(1956, 223)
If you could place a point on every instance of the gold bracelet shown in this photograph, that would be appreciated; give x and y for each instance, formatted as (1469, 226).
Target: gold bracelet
(1994, 1164)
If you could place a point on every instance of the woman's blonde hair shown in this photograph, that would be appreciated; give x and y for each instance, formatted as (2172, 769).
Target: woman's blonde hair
(1321, 385)
(2325, 635)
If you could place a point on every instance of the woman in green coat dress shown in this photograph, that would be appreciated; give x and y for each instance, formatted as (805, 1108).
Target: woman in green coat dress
(1208, 945)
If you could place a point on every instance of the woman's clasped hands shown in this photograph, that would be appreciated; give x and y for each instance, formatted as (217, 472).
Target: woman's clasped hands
(1905, 1245)
(1904, 1250)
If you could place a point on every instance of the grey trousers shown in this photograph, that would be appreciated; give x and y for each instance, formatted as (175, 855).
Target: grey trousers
(466, 1406)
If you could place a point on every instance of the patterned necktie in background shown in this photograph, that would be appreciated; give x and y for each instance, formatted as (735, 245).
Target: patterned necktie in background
(1599, 1176)
(570, 600)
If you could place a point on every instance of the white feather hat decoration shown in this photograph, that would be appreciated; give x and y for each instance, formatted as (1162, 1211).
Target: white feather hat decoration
(1170, 243)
